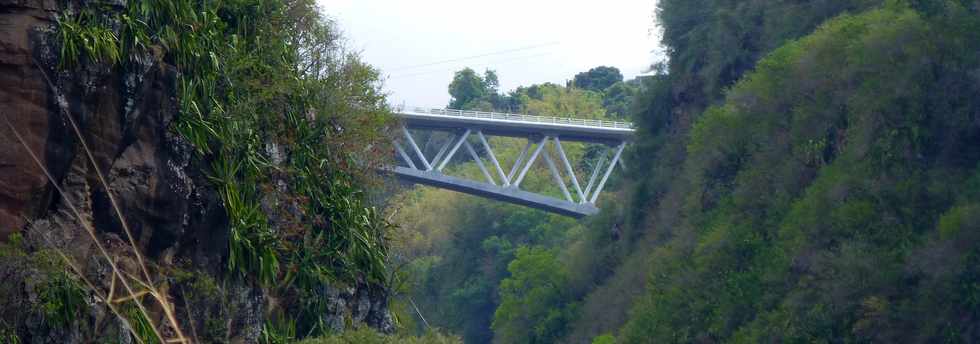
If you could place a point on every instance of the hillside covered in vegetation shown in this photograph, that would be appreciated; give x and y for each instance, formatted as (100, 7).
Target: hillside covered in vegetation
(804, 172)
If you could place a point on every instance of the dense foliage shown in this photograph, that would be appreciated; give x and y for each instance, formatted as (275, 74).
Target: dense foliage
(472, 91)
(288, 125)
(597, 79)
(863, 137)
(368, 336)
(533, 294)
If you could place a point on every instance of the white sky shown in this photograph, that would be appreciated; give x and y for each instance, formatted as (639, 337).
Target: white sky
(525, 41)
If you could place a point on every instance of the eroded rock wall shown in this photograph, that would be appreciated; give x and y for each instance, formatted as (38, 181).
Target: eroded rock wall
(177, 219)
(25, 100)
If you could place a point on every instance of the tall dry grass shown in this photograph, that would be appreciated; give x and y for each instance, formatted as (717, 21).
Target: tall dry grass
(135, 286)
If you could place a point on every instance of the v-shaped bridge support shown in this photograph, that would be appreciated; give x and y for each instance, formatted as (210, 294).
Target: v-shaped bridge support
(540, 132)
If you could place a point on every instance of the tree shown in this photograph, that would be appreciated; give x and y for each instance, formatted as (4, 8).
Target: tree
(554, 100)
(490, 81)
(466, 87)
(598, 79)
(470, 91)
(533, 300)
(618, 98)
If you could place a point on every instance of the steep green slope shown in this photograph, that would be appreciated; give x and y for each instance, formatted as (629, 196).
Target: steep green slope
(832, 195)
(710, 45)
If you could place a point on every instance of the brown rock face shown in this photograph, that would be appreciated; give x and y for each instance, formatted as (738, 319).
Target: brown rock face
(25, 100)
(126, 117)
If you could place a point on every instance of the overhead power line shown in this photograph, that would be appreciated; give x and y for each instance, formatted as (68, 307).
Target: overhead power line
(487, 65)
(474, 56)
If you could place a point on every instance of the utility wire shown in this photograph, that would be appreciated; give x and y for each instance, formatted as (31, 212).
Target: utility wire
(487, 65)
(475, 56)
(427, 327)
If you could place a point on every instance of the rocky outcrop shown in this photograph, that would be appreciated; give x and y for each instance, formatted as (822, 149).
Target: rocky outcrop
(361, 305)
(25, 100)
(176, 217)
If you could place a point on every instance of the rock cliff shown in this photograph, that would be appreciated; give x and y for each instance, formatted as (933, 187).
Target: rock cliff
(125, 116)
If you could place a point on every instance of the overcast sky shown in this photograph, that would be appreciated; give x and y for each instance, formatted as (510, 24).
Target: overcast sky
(525, 41)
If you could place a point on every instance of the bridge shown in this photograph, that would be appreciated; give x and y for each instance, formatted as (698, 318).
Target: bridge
(539, 132)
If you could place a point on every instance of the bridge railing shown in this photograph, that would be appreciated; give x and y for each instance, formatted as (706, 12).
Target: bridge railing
(521, 118)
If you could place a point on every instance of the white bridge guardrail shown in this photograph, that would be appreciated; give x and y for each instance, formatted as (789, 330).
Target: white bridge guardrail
(519, 117)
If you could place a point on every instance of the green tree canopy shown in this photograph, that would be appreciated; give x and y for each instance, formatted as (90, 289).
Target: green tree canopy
(554, 100)
(532, 307)
(468, 87)
(598, 79)
(818, 195)
(618, 99)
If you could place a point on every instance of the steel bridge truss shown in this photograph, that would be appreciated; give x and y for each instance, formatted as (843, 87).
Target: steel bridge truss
(503, 184)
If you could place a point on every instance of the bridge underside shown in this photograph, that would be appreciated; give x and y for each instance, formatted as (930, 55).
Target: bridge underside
(540, 132)
(505, 194)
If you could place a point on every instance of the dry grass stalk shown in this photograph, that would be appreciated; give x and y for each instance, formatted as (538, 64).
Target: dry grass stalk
(91, 232)
(145, 280)
(98, 293)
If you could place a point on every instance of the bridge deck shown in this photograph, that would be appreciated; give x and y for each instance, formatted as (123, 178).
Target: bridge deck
(516, 125)
(510, 195)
